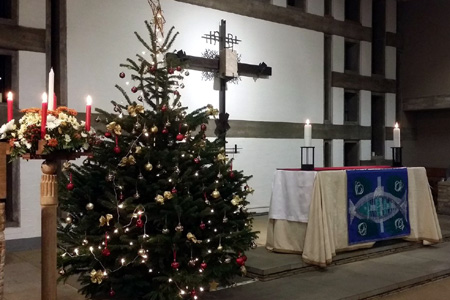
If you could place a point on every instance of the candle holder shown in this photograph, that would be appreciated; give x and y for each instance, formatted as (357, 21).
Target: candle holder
(307, 158)
(397, 156)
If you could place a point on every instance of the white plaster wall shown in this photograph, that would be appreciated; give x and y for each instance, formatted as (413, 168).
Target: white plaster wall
(365, 108)
(365, 58)
(31, 86)
(391, 62)
(315, 7)
(391, 16)
(338, 105)
(366, 13)
(338, 9)
(365, 147)
(390, 121)
(292, 92)
(337, 53)
(337, 147)
(390, 110)
(32, 13)
(272, 154)
(282, 3)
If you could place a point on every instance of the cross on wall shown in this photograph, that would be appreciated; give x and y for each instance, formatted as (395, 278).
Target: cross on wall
(226, 41)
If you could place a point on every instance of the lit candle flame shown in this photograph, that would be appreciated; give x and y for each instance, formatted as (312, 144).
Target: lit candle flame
(9, 96)
(396, 125)
(307, 121)
(88, 100)
(44, 97)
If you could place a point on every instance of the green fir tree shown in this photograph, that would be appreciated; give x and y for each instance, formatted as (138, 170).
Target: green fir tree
(156, 212)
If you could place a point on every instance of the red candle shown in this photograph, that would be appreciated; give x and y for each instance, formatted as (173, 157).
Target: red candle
(88, 112)
(44, 115)
(9, 100)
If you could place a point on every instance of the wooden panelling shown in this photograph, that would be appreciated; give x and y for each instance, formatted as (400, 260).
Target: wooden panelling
(22, 38)
(359, 82)
(426, 103)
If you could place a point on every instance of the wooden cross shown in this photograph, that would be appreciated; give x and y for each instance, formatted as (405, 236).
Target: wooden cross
(213, 65)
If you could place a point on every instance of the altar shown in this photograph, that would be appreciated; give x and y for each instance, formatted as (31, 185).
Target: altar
(308, 213)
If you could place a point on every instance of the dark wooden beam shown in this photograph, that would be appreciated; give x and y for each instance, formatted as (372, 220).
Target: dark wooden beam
(359, 82)
(288, 16)
(439, 102)
(207, 64)
(15, 37)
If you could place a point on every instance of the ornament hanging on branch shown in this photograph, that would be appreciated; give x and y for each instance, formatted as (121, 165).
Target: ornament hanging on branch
(70, 186)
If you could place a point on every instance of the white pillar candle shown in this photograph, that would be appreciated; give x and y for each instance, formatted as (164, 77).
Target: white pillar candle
(396, 135)
(51, 87)
(307, 134)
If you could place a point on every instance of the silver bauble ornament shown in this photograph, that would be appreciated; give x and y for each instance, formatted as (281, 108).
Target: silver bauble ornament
(253, 245)
(191, 263)
(84, 242)
(165, 231)
(136, 195)
(225, 220)
(179, 228)
(90, 206)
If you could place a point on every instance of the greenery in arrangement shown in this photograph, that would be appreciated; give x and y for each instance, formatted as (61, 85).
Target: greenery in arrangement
(157, 211)
(63, 132)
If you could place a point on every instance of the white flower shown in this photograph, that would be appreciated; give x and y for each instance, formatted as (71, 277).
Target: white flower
(47, 137)
(7, 127)
(52, 122)
(28, 145)
(2, 136)
(67, 138)
(85, 146)
(62, 116)
(83, 134)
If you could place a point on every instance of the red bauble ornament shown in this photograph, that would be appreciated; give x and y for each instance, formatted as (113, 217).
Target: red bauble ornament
(178, 68)
(165, 131)
(193, 293)
(164, 108)
(176, 93)
(203, 265)
(180, 137)
(112, 293)
(170, 70)
(203, 127)
(122, 75)
(174, 191)
(197, 160)
(139, 223)
(134, 89)
(202, 226)
(244, 257)
(70, 186)
(106, 252)
(240, 261)
(175, 265)
(117, 149)
(107, 134)
(231, 174)
(153, 69)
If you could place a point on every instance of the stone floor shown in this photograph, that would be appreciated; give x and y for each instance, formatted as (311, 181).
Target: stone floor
(417, 273)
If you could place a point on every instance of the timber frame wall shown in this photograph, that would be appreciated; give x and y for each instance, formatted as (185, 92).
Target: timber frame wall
(376, 83)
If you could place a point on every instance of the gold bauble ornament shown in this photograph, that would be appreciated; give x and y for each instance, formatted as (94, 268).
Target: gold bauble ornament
(69, 220)
(148, 167)
(215, 194)
(141, 252)
(159, 199)
(219, 248)
(168, 195)
(154, 129)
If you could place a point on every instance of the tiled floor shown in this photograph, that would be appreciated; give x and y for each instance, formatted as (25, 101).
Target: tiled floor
(22, 277)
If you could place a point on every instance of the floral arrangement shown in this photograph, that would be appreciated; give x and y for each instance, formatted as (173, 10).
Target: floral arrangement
(63, 132)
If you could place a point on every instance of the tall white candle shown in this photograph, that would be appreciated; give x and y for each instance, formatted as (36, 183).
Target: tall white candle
(396, 135)
(51, 88)
(307, 134)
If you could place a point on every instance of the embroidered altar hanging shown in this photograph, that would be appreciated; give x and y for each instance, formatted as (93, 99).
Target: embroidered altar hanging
(377, 205)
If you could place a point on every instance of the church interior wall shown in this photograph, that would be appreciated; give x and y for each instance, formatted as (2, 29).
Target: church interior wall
(100, 37)
(424, 73)
(32, 83)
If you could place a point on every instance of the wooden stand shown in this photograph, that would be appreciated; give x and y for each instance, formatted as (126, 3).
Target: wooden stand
(49, 206)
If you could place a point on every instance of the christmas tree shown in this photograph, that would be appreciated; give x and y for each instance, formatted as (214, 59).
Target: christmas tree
(156, 212)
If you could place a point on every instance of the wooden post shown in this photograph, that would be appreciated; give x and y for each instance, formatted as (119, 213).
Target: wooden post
(49, 204)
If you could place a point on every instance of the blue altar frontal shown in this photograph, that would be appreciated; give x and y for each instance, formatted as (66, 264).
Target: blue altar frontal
(377, 205)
